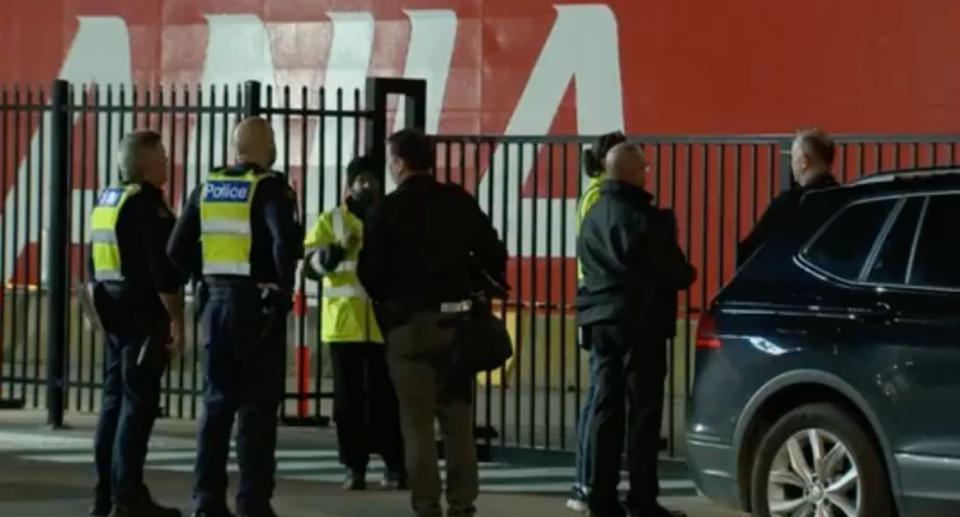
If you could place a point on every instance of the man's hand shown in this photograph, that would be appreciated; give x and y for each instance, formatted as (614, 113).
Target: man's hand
(176, 338)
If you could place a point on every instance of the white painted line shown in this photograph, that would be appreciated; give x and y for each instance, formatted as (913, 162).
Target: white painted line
(16, 441)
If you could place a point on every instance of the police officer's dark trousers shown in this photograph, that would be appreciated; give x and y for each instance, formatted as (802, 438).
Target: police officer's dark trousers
(244, 377)
(131, 396)
(631, 367)
(365, 407)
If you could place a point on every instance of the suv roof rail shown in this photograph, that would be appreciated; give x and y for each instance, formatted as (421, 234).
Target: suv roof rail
(899, 175)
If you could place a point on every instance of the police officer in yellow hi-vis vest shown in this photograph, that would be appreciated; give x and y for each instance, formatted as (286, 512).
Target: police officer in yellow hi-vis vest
(139, 303)
(239, 232)
(365, 404)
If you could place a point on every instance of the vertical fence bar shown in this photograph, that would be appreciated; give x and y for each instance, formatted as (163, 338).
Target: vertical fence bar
(301, 281)
(548, 281)
(688, 176)
(225, 125)
(533, 290)
(15, 288)
(82, 255)
(3, 234)
(488, 389)
(31, 264)
(578, 350)
(184, 194)
(339, 147)
(504, 172)
(563, 296)
(37, 270)
(720, 221)
(94, 168)
(198, 164)
(736, 199)
(57, 271)
(518, 267)
(322, 180)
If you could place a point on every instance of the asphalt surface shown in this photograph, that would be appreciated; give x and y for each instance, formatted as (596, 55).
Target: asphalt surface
(50, 473)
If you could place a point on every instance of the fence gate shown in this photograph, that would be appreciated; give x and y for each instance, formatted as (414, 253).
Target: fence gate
(57, 150)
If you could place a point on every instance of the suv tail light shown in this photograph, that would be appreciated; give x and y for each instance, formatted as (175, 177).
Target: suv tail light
(706, 332)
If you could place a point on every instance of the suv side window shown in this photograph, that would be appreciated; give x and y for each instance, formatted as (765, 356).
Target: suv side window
(843, 247)
(890, 265)
(936, 260)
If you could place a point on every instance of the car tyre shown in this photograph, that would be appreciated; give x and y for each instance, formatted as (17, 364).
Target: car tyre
(849, 474)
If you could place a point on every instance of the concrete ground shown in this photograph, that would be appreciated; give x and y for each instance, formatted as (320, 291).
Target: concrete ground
(49, 473)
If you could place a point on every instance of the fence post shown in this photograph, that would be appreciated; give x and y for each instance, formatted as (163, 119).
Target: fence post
(378, 89)
(251, 99)
(58, 260)
(786, 164)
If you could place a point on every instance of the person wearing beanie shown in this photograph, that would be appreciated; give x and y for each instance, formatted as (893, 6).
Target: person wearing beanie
(365, 406)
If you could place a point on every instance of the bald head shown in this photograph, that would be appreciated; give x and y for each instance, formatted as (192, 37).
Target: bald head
(627, 163)
(253, 140)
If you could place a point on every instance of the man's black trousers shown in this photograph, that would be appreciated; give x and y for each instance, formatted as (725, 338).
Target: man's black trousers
(630, 386)
(365, 407)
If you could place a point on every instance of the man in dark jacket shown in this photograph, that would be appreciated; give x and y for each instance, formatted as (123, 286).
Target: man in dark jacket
(421, 246)
(811, 159)
(628, 263)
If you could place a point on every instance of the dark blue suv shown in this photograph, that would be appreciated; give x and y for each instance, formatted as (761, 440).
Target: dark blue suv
(828, 370)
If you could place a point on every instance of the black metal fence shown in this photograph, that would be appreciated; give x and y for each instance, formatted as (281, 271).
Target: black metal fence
(718, 187)
(58, 144)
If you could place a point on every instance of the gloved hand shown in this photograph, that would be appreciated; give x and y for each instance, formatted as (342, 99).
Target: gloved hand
(331, 256)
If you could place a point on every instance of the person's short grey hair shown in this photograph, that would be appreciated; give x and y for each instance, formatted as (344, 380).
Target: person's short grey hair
(130, 152)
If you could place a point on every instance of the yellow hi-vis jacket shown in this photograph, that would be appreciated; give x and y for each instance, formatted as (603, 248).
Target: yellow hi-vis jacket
(225, 230)
(346, 311)
(589, 198)
(103, 231)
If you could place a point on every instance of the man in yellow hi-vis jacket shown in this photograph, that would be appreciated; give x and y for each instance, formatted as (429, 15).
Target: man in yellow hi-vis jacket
(365, 403)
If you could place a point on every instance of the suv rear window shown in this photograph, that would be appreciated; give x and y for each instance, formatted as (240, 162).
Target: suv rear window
(936, 260)
(842, 248)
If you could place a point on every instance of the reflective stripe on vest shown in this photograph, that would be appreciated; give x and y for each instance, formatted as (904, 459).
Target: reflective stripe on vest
(105, 249)
(225, 231)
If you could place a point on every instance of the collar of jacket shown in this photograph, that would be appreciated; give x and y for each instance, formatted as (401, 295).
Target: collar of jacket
(147, 188)
(419, 178)
(627, 190)
(242, 168)
(821, 181)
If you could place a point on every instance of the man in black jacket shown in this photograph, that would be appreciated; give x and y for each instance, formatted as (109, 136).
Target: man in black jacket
(811, 158)
(420, 247)
(628, 265)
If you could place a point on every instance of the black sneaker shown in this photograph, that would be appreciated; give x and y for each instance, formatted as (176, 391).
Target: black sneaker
(578, 500)
(355, 480)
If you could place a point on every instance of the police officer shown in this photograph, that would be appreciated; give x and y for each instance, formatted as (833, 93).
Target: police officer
(364, 401)
(239, 231)
(138, 300)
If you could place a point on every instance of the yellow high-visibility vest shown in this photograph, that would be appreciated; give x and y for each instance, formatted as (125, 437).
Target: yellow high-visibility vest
(589, 198)
(346, 311)
(103, 231)
(225, 229)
